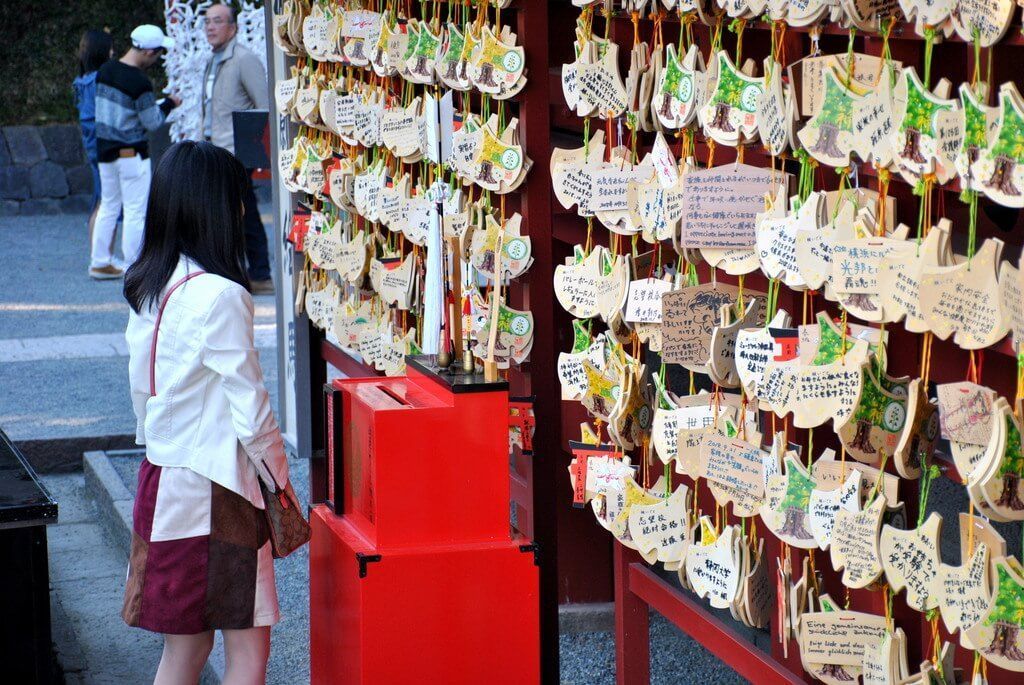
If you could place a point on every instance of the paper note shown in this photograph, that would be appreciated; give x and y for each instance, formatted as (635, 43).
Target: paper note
(720, 204)
(734, 469)
(688, 318)
(643, 300)
(839, 637)
(965, 412)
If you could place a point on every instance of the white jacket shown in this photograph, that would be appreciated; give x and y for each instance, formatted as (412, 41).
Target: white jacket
(211, 412)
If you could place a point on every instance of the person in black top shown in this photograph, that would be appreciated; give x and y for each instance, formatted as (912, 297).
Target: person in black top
(126, 110)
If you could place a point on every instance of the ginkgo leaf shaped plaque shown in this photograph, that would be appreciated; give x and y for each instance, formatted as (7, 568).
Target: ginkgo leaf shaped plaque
(663, 528)
(786, 508)
(926, 138)
(594, 286)
(730, 115)
(999, 169)
(910, 559)
(999, 636)
(734, 471)
(965, 593)
(828, 137)
(999, 477)
(978, 126)
(712, 566)
(833, 643)
(680, 85)
(964, 298)
(825, 504)
(855, 547)
(878, 422)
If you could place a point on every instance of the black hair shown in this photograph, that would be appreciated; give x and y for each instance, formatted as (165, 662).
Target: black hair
(93, 50)
(232, 12)
(195, 209)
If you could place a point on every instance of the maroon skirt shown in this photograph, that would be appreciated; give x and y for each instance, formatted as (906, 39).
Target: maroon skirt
(200, 557)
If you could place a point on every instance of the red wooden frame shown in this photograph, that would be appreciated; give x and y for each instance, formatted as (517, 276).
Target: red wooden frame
(638, 588)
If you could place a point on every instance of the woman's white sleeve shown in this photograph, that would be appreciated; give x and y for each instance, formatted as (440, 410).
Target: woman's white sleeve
(230, 352)
(139, 336)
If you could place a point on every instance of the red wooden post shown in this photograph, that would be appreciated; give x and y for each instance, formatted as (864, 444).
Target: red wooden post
(632, 630)
(537, 294)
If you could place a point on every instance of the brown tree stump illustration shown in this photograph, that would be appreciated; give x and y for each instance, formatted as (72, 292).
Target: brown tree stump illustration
(665, 110)
(421, 66)
(487, 75)
(1002, 176)
(486, 174)
(861, 301)
(912, 147)
(1008, 496)
(795, 525)
(836, 671)
(862, 438)
(828, 135)
(452, 70)
(721, 118)
(357, 49)
(1004, 642)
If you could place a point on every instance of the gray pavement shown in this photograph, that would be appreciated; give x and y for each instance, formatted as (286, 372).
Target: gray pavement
(63, 363)
(87, 577)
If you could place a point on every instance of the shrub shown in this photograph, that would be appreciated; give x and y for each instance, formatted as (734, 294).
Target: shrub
(40, 44)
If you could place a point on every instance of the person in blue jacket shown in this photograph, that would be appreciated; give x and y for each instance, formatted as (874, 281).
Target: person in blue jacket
(95, 48)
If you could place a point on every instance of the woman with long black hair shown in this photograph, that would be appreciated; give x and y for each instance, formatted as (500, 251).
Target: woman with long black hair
(200, 558)
(95, 48)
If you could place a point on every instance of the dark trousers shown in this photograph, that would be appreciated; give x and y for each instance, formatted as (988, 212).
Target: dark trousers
(256, 252)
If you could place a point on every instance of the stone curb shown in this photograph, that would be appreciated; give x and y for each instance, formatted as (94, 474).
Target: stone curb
(115, 503)
(113, 500)
(63, 455)
(597, 617)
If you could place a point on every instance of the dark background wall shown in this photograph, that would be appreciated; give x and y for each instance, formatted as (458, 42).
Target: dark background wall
(39, 47)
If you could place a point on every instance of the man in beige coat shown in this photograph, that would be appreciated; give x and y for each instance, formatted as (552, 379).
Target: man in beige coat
(234, 80)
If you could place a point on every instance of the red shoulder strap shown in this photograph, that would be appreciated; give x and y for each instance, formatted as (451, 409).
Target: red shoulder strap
(156, 328)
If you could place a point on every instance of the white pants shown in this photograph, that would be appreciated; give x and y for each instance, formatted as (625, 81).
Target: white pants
(125, 185)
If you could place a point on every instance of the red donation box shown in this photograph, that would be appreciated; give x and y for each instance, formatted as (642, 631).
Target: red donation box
(415, 572)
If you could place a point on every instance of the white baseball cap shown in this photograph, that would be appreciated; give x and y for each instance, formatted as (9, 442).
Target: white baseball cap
(149, 37)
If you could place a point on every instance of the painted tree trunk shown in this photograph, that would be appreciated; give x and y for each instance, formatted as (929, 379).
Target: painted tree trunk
(837, 672)
(861, 301)
(1008, 497)
(485, 174)
(861, 439)
(721, 118)
(1002, 176)
(487, 74)
(796, 524)
(357, 50)
(912, 147)
(828, 136)
(666, 106)
(1004, 642)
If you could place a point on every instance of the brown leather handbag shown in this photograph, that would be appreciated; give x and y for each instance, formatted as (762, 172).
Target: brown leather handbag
(289, 530)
